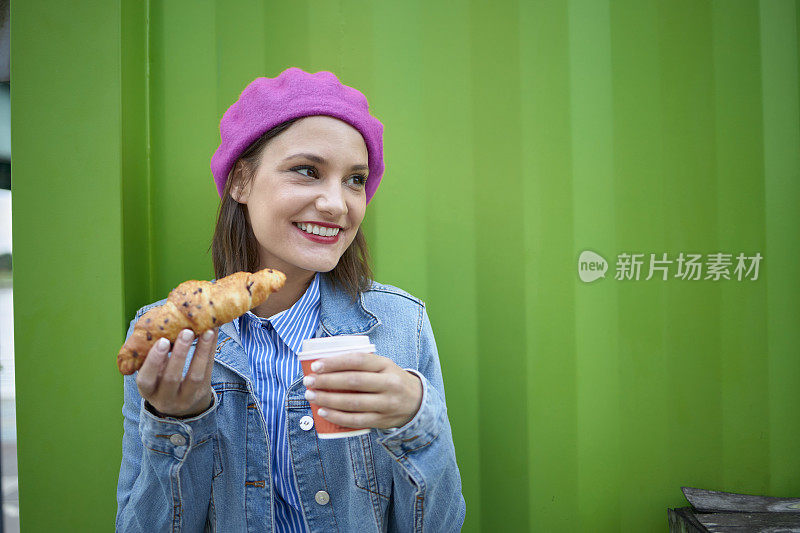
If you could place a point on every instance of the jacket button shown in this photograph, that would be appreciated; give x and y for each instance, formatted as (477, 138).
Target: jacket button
(322, 497)
(306, 423)
(177, 439)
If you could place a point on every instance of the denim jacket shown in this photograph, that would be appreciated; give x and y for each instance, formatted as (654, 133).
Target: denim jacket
(212, 472)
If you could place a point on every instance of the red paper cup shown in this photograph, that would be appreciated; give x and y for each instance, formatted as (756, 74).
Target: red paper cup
(315, 349)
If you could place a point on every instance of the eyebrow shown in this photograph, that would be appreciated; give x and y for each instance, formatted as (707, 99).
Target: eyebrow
(321, 160)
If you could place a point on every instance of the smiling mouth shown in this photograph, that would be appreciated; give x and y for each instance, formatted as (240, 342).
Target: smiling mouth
(313, 229)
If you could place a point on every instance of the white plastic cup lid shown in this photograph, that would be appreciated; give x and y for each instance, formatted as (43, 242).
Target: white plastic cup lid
(338, 343)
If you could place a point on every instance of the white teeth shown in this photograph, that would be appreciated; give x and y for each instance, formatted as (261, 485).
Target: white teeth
(317, 230)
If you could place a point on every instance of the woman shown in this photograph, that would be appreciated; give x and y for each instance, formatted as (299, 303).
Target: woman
(217, 435)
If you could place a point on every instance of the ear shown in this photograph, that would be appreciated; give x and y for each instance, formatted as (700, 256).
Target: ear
(237, 192)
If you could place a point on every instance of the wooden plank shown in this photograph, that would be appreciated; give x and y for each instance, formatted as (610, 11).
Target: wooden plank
(710, 501)
(682, 520)
(750, 522)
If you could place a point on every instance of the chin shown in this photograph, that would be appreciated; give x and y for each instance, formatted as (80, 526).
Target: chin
(325, 268)
(319, 266)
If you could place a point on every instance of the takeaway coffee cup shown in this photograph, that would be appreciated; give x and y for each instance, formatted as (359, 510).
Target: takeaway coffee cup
(315, 349)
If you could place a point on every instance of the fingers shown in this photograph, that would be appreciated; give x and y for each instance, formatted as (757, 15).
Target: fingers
(148, 376)
(197, 383)
(355, 420)
(390, 398)
(348, 381)
(357, 402)
(161, 379)
(199, 368)
(367, 362)
(171, 378)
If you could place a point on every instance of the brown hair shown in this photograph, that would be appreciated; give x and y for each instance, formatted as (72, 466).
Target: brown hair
(234, 247)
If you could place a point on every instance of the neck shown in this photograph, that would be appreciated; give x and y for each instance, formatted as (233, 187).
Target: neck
(294, 288)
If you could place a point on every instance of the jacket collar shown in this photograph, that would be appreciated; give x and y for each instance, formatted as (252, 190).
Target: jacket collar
(338, 315)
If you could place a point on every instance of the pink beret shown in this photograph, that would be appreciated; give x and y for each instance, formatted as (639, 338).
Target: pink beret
(267, 102)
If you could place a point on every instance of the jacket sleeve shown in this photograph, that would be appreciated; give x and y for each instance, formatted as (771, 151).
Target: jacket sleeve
(166, 471)
(427, 483)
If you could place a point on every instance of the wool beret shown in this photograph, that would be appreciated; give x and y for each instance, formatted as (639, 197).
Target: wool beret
(267, 102)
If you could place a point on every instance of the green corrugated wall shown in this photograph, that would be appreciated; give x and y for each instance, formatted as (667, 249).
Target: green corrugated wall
(518, 134)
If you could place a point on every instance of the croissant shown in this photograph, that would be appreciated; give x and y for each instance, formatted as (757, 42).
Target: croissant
(199, 306)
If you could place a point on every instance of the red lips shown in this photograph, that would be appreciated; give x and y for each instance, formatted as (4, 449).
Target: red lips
(320, 238)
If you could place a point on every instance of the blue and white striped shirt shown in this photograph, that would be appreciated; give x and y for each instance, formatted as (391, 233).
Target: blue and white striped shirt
(272, 345)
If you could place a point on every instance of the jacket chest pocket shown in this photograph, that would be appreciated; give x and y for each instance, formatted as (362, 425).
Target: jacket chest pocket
(367, 476)
(218, 469)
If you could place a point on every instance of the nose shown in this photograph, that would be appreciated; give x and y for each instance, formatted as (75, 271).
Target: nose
(331, 200)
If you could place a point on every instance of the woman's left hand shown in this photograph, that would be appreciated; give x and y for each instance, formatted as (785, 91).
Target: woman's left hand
(384, 395)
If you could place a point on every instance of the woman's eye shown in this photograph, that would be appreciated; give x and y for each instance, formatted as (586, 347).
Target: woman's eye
(358, 180)
(312, 172)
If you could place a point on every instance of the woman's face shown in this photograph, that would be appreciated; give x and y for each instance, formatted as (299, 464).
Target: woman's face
(312, 174)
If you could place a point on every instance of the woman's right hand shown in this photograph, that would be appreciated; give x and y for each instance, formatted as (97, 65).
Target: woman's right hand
(160, 379)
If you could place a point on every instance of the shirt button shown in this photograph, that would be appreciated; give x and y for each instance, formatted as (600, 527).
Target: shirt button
(306, 423)
(177, 439)
(322, 497)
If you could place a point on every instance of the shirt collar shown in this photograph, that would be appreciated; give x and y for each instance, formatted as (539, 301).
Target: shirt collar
(297, 323)
(303, 314)
(339, 314)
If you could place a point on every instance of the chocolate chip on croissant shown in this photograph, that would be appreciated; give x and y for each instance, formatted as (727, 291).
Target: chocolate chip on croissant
(199, 306)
